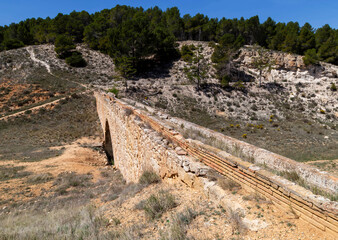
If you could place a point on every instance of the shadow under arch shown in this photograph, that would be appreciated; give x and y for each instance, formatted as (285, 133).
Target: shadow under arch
(108, 145)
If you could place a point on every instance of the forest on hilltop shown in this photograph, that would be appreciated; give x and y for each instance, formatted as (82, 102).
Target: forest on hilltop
(130, 35)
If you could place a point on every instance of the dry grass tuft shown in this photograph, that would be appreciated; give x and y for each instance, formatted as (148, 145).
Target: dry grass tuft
(40, 178)
(67, 180)
(157, 204)
(8, 172)
(69, 223)
(177, 228)
(149, 177)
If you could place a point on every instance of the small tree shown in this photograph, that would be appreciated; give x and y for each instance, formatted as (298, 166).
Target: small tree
(262, 62)
(198, 68)
(126, 68)
(223, 56)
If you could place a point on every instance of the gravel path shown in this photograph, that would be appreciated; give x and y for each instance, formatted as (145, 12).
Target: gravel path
(32, 56)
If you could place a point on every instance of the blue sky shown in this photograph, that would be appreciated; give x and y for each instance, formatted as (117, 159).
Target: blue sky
(316, 12)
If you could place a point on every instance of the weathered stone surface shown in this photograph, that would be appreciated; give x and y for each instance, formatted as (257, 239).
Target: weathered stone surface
(136, 148)
(260, 156)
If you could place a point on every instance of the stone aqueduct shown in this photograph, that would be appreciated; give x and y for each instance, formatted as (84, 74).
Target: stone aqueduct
(139, 138)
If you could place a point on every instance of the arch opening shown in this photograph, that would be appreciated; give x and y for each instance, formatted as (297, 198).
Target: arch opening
(108, 145)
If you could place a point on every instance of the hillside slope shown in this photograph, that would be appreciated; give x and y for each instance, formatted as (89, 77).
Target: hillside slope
(294, 112)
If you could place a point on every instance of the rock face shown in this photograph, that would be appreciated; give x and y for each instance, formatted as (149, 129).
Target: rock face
(306, 86)
(286, 62)
(282, 60)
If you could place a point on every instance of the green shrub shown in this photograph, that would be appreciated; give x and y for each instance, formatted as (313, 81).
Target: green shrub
(212, 44)
(333, 87)
(192, 47)
(187, 58)
(76, 60)
(239, 85)
(115, 91)
(149, 177)
(66, 180)
(8, 172)
(12, 44)
(225, 81)
(291, 176)
(187, 52)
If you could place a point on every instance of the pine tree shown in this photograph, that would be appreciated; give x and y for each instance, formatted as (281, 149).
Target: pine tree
(125, 67)
(198, 68)
(310, 57)
(268, 31)
(290, 43)
(63, 46)
(306, 38)
(262, 62)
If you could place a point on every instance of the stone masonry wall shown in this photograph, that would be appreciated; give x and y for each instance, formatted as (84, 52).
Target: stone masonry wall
(137, 147)
(141, 141)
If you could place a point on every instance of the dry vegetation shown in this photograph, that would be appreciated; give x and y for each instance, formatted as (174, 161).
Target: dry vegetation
(46, 194)
(32, 136)
(294, 113)
(69, 198)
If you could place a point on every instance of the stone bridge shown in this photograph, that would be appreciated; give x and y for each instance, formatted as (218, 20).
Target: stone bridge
(139, 138)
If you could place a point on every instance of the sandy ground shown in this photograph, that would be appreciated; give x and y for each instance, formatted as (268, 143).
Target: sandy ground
(212, 221)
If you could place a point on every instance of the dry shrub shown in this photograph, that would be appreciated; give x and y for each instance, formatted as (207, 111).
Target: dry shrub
(228, 184)
(128, 112)
(158, 203)
(66, 180)
(256, 197)
(236, 222)
(177, 228)
(149, 177)
(10, 172)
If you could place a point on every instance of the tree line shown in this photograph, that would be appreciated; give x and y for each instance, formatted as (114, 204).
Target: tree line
(131, 35)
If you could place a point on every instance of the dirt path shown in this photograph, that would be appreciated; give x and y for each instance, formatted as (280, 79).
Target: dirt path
(32, 109)
(32, 56)
(36, 107)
